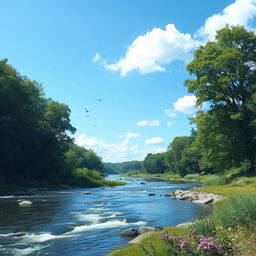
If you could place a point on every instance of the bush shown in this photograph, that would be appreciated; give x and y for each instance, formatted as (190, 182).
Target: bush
(236, 211)
(192, 176)
(215, 180)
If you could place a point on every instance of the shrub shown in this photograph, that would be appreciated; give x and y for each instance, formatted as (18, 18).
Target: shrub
(216, 180)
(236, 211)
(192, 176)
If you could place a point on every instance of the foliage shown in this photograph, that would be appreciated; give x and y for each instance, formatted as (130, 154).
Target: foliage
(182, 156)
(224, 78)
(237, 211)
(114, 168)
(155, 163)
(33, 137)
(215, 180)
(35, 142)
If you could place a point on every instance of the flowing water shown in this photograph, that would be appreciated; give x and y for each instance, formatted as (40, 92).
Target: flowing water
(70, 223)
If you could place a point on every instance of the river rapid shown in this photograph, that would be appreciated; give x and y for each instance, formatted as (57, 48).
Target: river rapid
(70, 223)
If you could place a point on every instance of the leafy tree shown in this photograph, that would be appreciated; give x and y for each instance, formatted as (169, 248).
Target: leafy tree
(155, 163)
(225, 75)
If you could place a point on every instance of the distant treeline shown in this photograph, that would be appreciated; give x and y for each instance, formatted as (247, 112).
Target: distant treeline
(35, 142)
(119, 168)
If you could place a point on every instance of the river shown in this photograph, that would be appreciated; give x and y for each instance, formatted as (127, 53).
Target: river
(70, 223)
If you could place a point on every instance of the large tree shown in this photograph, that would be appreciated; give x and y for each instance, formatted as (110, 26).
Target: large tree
(224, 76)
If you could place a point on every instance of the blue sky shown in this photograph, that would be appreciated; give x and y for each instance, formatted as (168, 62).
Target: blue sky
(132, 54)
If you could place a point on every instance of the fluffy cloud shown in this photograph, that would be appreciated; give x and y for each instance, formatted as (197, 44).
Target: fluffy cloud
(157, 48)
(130, 135)
(152, 51)
(241, 12)
(148, 123)
(154, 141)
(113, 152)
(185, 104)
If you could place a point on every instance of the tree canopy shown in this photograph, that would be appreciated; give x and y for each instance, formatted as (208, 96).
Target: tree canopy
(224, 76)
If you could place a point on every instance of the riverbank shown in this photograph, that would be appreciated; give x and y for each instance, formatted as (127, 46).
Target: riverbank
(241, 199)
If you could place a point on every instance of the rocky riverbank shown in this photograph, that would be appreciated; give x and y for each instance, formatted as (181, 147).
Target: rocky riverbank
(195, 196)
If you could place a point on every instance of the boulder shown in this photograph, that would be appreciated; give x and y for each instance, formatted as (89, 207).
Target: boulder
(139, 238)
(129, 232)
(144, 229)
(25, 203)
(205, 200)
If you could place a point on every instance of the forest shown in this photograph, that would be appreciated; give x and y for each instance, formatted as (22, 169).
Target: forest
(36, 146)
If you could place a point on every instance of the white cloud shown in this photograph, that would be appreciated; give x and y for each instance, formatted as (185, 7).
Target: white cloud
(170, 113)
(241, 12)
(130, 135)
(96, 58)
(157, 48)
(148, 123)
(154, 141)
(111, 152)
(152, 51)
(169, 124)
(185, 104)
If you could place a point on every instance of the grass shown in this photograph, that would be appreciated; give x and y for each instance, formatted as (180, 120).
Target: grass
(236, 211)
(229, 189)
(154, 240)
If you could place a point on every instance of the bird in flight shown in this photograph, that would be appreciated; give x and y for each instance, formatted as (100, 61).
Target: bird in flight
(99, 99)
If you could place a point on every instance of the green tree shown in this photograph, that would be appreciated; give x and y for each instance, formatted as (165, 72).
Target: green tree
(155, 163)
(225, 75)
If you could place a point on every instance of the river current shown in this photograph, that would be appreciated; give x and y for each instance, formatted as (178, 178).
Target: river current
(71, 223)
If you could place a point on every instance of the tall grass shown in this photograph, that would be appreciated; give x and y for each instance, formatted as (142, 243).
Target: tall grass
(215, 180)
(236, 211)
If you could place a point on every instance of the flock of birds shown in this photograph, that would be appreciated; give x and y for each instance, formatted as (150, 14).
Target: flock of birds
(88, 111)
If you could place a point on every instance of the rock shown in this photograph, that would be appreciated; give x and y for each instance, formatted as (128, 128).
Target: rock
(139, 238)
(129, 232)
(151, 194)
(86, 192)
(25, 203)
(197, 197)
(204, 200)
(144, 229)
(142, 183)
(170, 194)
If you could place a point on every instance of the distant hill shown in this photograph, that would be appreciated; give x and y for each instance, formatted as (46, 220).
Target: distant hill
(116, 168)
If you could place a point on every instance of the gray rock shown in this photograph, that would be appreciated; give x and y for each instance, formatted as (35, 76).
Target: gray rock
(139, 238)
(144, 229)
(129, 232)
(205, 200)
